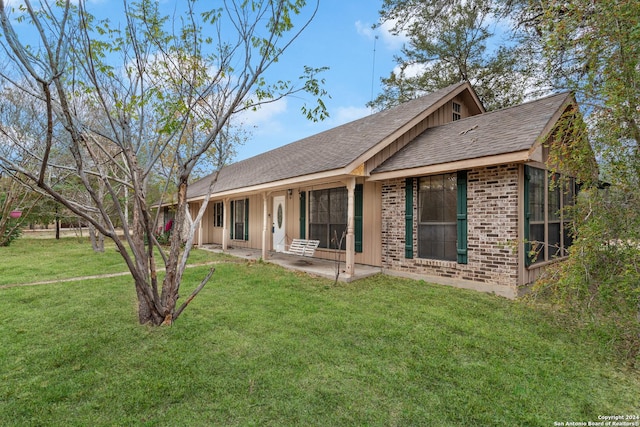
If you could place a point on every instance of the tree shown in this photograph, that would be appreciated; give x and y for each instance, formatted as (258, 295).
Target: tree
(593, 49)
(153, 95)
(14, 196)
(451, 41)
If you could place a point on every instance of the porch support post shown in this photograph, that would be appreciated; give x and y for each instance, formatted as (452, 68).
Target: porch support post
(351, 239)
(200, 236)
(265, 226)
(225, 224)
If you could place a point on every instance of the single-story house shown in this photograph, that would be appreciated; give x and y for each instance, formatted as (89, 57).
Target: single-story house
(435, 188)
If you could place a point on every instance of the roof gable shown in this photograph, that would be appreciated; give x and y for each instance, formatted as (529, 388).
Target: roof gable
(339, 148)
(510, 130)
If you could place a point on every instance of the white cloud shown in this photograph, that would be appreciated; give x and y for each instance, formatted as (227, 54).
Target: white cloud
(390, 41)
(412, 70)
(350, 113)
(393, 42)
(365, 30)
(264, 119)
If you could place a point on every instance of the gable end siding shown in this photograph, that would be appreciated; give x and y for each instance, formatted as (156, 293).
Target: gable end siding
(439, 117)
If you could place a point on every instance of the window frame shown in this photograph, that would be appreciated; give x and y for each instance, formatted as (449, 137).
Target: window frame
(554, 215)
(243, 214)
(451, 215)
(457, 110)
(218, 214)
(339, 193)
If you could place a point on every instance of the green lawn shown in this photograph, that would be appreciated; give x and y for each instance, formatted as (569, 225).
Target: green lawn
(263, 346)
(35, 260)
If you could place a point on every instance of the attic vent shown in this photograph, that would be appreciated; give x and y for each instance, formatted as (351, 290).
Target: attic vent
(456, 111)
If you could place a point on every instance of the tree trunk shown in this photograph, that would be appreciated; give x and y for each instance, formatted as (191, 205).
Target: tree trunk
(171, 283)
(146, 312)
(97, 239)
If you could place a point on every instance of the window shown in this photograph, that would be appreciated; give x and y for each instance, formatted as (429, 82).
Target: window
(240, 219)
(218, 214)
(456, 111)
(437, 217)
(547, 228)
(328, 216)
(536, 213)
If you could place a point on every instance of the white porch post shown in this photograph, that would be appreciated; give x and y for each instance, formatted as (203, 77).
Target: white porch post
(351, 238)
(225, 224)
(265, 226)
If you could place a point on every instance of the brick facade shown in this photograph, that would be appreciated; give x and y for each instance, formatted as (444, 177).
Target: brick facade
(492, 212)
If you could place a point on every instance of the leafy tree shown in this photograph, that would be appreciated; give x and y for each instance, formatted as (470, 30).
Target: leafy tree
(593, 48)
(158, 90)
(451, 41)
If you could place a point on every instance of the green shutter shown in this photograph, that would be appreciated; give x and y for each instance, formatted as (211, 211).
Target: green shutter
(527, 216)
(232, 219)
(246, 219)
(358, 218)
(303, 214)
(408, 219)
(462, 217)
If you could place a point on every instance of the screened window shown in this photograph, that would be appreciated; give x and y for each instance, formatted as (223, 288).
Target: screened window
(536, 213)
(239, 219)
(218, 214)
(437, 219)
(547, 223)
(328, 216)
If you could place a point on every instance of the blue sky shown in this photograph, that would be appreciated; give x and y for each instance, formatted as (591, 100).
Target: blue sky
(340, 37)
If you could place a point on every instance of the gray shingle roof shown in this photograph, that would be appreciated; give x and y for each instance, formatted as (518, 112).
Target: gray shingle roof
(329, 150)
(504, 131)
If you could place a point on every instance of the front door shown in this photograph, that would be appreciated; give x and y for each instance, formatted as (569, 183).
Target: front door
(278, 218)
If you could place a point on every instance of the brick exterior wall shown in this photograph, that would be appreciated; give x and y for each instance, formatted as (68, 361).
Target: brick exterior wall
(492, 215)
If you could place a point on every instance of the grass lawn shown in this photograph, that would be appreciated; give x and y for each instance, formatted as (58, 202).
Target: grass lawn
(264, 346)
(35, 260)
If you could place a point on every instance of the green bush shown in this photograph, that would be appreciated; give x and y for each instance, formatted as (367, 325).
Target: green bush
(11, 233)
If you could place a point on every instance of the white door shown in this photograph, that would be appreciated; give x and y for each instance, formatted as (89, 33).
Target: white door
(278, 223)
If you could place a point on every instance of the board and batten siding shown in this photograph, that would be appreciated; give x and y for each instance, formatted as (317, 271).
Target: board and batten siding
(439, 117)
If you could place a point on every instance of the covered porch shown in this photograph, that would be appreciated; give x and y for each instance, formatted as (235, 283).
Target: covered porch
(314, 266)
(265, 219)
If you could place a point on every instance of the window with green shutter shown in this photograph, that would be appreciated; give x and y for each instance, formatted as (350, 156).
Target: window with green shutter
(358, 217)
(303, 214)
(437, 217)
(442, 217)
(462, 217)
(328, 217)
(246, 219)
(408, 218)
(231, 218)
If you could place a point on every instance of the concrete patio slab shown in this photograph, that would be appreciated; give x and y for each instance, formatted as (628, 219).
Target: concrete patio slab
(314, 266)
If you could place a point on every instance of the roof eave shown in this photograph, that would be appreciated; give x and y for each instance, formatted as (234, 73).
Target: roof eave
(551, 125)
(498, 159)
(276, 185)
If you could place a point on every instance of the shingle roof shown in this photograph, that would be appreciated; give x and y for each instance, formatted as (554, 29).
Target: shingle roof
(329, 150)
(504, 131)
